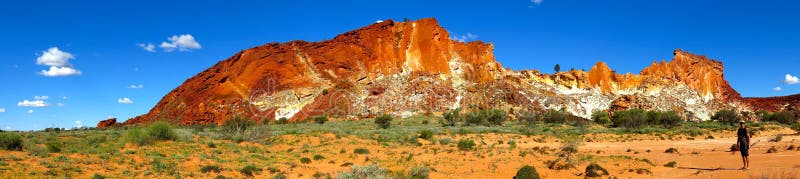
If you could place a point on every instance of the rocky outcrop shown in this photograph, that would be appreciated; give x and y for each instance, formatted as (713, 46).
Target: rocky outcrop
(107, 123)
(406, 68)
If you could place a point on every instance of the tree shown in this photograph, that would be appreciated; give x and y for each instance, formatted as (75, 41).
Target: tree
(557, 68)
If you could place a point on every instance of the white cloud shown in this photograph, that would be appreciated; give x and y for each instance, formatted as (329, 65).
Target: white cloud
(32, 104)
(2, 110)
(58, 61)
(64, 97)
(30, 111)
(55, 57)
(789, 79)
(60, 71)
(465, 38)
(124, 101)
(139, 86)
(777, 88)
(148, 47)
(41, 97)
(378, 21)
(60, 104)
(537, 2)
(78, 124)
(183, 42)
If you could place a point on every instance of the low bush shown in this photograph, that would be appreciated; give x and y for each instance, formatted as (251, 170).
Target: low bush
(630, 118)
(671, 164)
(445, 141)
(54, 146)
(595, 170)
(210, 168)
(161, 131)
(384, 121)
(782, 117)
(601, 117)
(282, 120)
(486, 117)
(671, 151)
(318, 157)
(98, 176)
(726, 116)
(305, 160)
(250, 170)
(360, 172)
(360, 151)
(466, 144)
(451, 118)
(530, 118)
(236, 125)
(527, 172)
(320, 119)
(10, 141)
(419, 172)
(426, 134)
(559, 116)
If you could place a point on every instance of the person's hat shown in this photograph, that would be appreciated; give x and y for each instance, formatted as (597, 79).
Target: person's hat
(741, 122)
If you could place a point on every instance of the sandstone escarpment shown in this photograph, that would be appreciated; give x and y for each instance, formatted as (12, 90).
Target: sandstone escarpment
(406, 68)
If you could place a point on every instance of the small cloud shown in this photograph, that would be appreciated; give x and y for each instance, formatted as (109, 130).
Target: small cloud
(64, 97)
(2, 110)
(60, 71)
(124, 101)
(41, 97)
(537, 2)
(58, 61)
(32, 104)
(55, 57)
(78, 124)
(30, 111)
(147, 47)
(378, 21)
(139, 86)
(465, 38)
(777, 88)
(183, 42)
(789, 79)
(60, 104)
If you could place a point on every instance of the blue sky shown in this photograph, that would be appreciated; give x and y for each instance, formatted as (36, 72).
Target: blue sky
(99, 57)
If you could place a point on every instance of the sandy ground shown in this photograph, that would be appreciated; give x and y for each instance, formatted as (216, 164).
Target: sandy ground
(493, 157)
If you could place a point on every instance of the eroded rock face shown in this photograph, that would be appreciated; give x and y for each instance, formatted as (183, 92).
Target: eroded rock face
(107, 123)
(406, 68)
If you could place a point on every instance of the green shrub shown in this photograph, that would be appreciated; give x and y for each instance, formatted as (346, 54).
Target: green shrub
(54, 146)
(780, 117)
(98, 176)
(419, 172)
(530, 118)
(601, 117)
(466, 144)
(10, 141)
(250, 170)
(161, 131)
(595, 170)
(671, 119)
(726, 116)
(318, 157)
(475, 118)
(384, 121)
(445, 141)
(426, 134)
(210, 168)
(305, 160)
(631, 118)
(360, 172)
(554, 116)
(320, 119)
(496, 116)
(361, 151)
(451, 118)
(527, 172)
(137, 136)
(282, 120)
(236, 125)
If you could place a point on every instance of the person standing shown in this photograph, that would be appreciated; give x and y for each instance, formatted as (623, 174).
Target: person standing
(743, 140)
